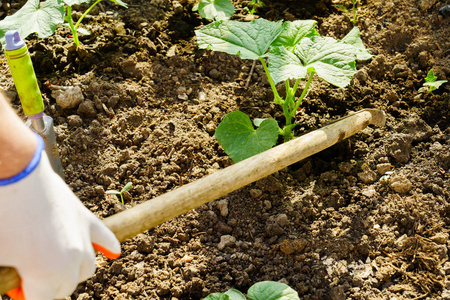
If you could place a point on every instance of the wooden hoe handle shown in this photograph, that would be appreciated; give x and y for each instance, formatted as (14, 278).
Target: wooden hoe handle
(149, 214)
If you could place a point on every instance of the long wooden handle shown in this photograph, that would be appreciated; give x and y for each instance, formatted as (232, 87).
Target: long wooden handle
(149, 214)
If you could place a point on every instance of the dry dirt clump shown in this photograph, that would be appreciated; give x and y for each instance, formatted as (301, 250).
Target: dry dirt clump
(140, 103)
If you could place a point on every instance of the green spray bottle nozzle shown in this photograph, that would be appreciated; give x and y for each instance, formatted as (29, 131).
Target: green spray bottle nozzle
(22, 71)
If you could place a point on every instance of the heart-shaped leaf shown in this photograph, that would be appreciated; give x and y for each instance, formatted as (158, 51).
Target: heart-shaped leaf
(271, 290)
(250, 40)
(34, 18)
(215, 9)
(240, 140)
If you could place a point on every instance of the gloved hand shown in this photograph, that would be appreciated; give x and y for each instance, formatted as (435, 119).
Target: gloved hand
(47, 234)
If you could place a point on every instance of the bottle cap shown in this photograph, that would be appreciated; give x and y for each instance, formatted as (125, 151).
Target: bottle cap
(13, 40)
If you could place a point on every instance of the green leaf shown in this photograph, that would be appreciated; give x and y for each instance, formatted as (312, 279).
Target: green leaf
(235, 295)
(126, 187)
(75, 2)
(120, 2)
(240, 140)
(293, 32)
(435, 85)
(217, 296)
(257, 121)
(353, 39)
(332, 60)
(271, 290)
(284, 65)
(250, 40)
(112, 192)
(33, 18)
(215, 9)
(430, 76)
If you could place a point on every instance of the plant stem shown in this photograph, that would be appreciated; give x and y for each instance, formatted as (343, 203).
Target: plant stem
(277, 97)
(304, 93)
(290, 113)
(121, 198)
(72, 28)
(85, 13)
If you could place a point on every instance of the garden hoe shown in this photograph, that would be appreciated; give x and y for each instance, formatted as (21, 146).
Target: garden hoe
(22, 71)
(149, 214)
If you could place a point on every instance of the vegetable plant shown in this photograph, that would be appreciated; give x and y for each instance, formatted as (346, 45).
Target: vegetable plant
(294, 50)
(214, 9)
(123, 190)
(44, 18)
(264, 290)
(256, 4)
(431, 83)
(351, 15)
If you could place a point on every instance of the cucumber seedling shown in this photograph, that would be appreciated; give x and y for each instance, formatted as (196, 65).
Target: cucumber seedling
(123, 190)
(294, 50)
(431, 84)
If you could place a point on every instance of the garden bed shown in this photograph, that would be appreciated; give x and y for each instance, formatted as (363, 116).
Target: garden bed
(329, 226)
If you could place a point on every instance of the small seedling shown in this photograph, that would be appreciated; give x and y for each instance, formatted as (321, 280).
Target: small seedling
(431, 83)
(255, 4)
(123, 190)
(351, 15)
(264, 290)
(294, 50)
(44, 18)
(214, 9)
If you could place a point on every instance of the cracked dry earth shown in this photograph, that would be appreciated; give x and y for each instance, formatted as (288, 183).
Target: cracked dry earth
(145, 104)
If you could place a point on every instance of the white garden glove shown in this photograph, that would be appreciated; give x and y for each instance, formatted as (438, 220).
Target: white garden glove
(47, 234)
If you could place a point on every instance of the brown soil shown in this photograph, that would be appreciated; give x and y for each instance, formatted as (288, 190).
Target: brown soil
(329, 226)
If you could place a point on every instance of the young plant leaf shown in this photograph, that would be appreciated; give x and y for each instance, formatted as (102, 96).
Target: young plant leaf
(217, 296)
(240, 140)
(430, 76)
(332, 60)
(271, 290)
(257, 121)
(250, 40)
(284, 65)
(215, 9)
(126, 187)
(353, 39)
(431, 83)
(434, 85)
(75, 2)
(120, 2)
(112, 192)
(235, 295)
(293, 32)
(34, 18)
